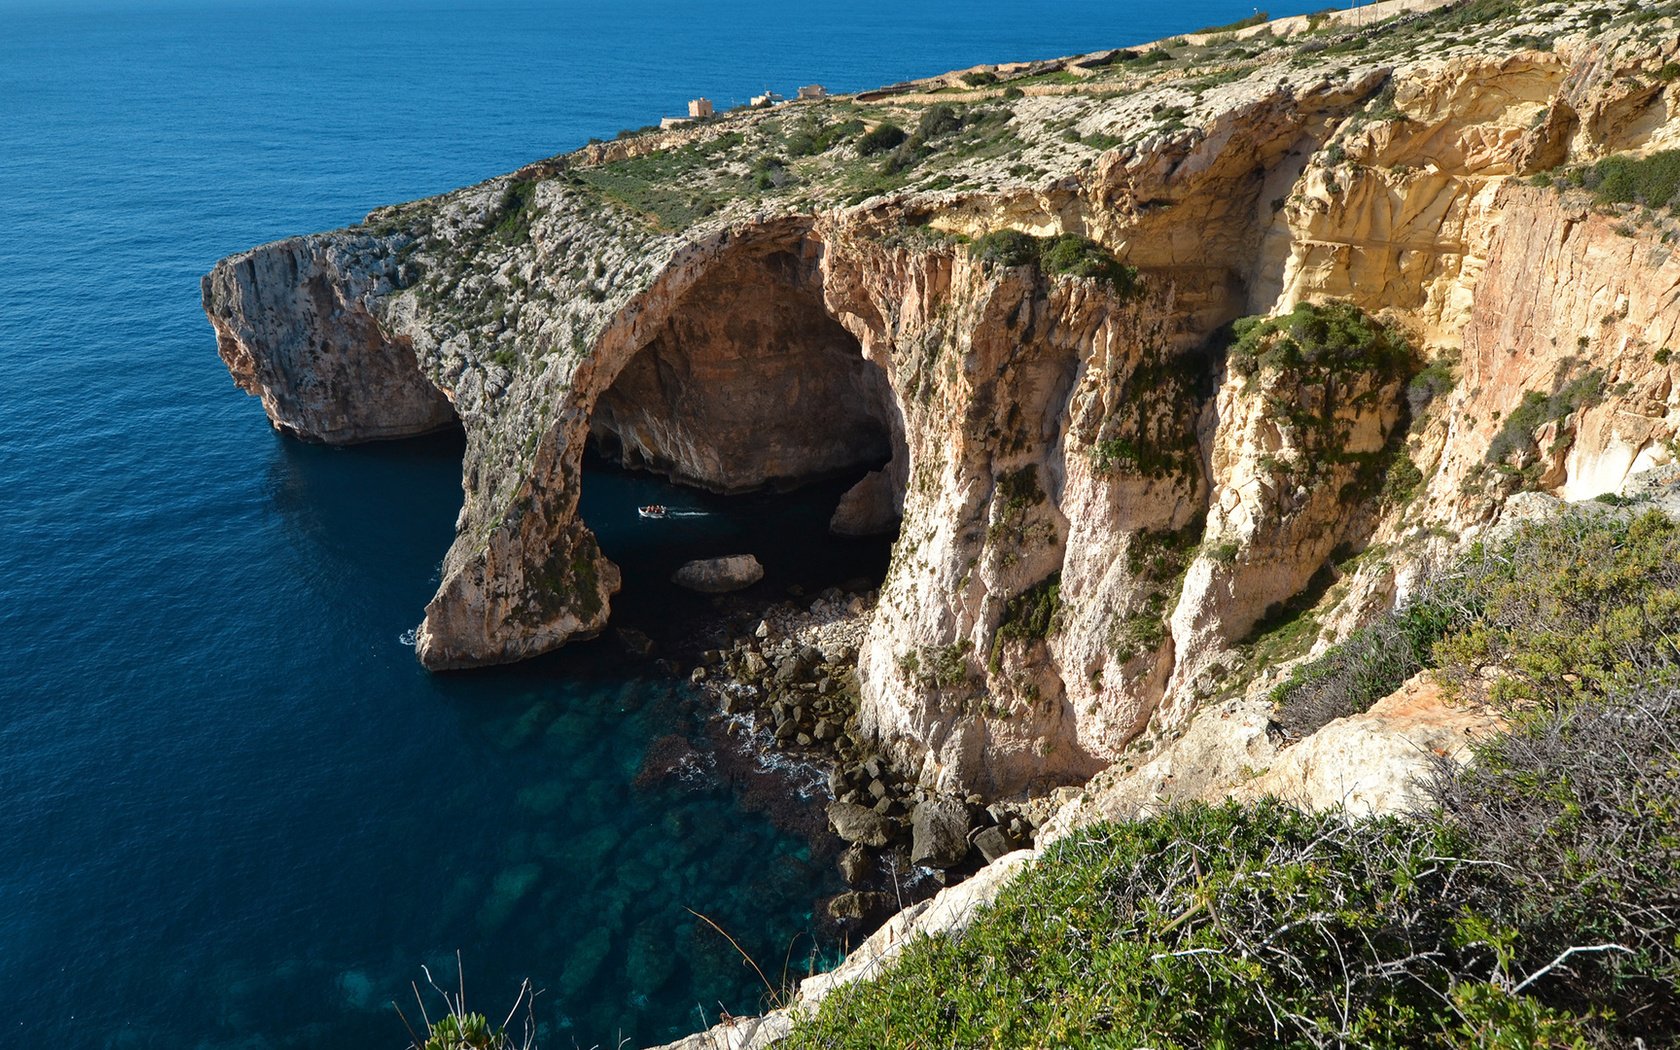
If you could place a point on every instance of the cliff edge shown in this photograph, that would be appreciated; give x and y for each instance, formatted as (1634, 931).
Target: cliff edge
(1163, 349)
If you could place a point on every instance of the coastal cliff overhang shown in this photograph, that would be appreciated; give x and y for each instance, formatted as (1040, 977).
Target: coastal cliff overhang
(581, 295)
(749, 382)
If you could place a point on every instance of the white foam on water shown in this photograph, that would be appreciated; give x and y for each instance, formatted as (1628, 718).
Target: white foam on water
(808, 779)
(409, 638)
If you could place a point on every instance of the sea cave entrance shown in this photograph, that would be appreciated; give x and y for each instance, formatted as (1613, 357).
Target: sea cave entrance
(753, 414)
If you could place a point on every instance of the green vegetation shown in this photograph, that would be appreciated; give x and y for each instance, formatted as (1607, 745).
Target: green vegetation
(881, 138)
(813, 135)
(1569, 610)
(1032, 615)
(1516, 434)
(1311, 366)
(514, 212)
(937, 666)
(1534, 903)
(461, 1029)
(1069, 255)
(1318, 341)
(1436, 378)
(1652, 181)
(1157, 560)
(1237, 927)
(1560, 611)
(1369, 664)
(1010, 530)
(676, 187)
(1473, 13)
(464, 1032)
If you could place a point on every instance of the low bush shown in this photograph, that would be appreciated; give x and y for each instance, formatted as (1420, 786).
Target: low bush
(1653, 181)
(1580, 813)
(1258, 18)
(1516, 434)
(1318, 338)
(1213, 927)
(1556, 613)
(515, 210)
(1568, 610)
(938, 120)
(1369, 664)
(880, 138)
(1067, 255)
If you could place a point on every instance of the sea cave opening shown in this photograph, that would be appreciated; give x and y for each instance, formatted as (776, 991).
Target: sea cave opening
(753, 415)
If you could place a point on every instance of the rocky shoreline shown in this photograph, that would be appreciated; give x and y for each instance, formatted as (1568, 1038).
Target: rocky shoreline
(790, 684)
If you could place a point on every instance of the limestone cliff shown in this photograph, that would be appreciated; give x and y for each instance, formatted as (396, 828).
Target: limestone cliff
(1102, 515)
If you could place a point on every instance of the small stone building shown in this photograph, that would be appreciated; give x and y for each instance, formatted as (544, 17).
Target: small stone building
(699, 107)
(813, 91)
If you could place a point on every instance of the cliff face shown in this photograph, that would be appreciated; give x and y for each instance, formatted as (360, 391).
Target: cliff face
(1101, 516)
(296, 325)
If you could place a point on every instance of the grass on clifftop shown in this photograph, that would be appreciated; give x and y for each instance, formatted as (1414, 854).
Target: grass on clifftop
(1536, 903)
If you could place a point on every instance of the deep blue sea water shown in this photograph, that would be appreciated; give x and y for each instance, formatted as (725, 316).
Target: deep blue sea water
(235, 811)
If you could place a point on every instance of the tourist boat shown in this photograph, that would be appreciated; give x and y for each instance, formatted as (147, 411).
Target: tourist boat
(652, 510)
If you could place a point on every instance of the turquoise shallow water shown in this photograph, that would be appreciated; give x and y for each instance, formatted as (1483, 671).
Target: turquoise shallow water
(237, 814)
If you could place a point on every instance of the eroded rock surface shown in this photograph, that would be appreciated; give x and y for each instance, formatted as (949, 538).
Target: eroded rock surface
(1098, 520)
(719, 575)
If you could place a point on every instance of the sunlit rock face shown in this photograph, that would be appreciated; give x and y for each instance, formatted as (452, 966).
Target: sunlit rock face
(749, 383)
(1097, 518)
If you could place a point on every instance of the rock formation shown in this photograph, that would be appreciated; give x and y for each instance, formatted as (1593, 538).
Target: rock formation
(719, 575)
(1101, 517)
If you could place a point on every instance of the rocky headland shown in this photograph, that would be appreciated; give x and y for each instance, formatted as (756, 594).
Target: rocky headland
(1184, 362)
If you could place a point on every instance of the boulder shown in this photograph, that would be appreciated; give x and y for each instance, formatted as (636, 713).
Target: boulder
(634, 642)
(861, 825)
(857, 865)
(861, 908)
(993, 842)
(789, 668)
(939, 833)
(719, 575)
(867, 508)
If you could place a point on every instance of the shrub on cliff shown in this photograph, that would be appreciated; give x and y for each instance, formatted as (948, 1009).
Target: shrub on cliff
(1007, 248)
(1536, 903)
(1653, 181)
(1215, 927)
(1068, 255)
(1579, 812)
(1369, 664)
(1319, 340)
(1569, 609)
(881, 138)
(1555, 613)
(1516, 434)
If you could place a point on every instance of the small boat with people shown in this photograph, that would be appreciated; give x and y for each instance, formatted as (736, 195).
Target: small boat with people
(653, 510)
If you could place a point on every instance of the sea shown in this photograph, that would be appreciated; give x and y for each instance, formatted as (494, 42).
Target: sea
(234, 811)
